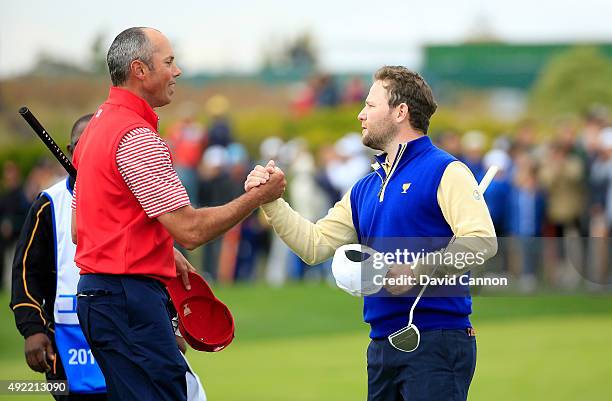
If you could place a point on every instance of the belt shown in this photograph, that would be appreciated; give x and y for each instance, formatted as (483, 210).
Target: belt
(93, 293)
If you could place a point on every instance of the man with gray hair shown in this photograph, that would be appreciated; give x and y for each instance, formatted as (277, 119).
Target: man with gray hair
(129, 207)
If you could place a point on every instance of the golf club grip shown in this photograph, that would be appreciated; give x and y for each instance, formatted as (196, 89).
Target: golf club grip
(48, 141)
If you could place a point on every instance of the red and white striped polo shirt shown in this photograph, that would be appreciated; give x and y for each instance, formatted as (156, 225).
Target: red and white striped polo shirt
(144, 161)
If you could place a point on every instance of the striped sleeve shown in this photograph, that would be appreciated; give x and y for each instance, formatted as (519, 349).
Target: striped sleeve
(74, 196)
(143, 159)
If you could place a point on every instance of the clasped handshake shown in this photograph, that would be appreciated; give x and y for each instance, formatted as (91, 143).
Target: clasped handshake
(269, 180)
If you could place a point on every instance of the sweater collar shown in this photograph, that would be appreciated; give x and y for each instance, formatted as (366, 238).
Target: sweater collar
(412, 149)
(123, 97)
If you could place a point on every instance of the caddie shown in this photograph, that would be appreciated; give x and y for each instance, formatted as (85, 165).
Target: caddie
(43, 295)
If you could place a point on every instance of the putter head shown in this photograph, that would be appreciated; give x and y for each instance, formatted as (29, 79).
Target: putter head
(406, 339)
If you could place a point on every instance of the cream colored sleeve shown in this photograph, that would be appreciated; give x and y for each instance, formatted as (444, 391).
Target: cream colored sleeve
(313, 242)
(467, 214)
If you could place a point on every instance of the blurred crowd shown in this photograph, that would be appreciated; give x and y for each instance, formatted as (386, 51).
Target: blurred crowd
(323, 90)
(551, 201)
(213, 168)
(16, 196)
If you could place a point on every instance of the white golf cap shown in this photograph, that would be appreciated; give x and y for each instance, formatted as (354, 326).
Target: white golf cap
(355, 272)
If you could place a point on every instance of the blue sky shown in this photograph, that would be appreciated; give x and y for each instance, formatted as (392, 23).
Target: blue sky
(230, 34)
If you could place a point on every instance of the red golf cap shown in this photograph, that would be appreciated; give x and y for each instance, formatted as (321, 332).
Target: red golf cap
(205, 322)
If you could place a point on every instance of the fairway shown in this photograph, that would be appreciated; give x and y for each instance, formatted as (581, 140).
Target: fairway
(307, 343)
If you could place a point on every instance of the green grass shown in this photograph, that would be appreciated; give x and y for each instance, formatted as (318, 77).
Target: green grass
(307, 343)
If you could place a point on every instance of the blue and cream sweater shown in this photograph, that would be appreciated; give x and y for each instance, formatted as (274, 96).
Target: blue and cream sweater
(401, 211)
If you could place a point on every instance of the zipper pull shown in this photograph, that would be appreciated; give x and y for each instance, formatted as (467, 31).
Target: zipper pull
(381, 189)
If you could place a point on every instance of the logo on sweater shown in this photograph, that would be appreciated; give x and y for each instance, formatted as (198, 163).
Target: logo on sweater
(405, 187)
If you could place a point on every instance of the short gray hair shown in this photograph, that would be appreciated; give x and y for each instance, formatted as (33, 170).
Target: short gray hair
(131, 44)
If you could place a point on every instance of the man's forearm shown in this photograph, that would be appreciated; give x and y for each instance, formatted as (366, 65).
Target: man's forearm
(33, 277)
(294, 230)
(28, 322)
(193, 227)
(312, 242)
(212, 222)
(461, 256)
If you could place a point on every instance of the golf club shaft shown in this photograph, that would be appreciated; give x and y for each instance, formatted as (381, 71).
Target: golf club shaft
(48, 141)
(488, 177)
(482, 187)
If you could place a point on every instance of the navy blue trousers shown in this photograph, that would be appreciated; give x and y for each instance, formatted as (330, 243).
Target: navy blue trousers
(126, 323)
(440, 369)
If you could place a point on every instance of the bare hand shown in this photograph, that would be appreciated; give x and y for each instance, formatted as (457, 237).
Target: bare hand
(259, 175)
(183, 267)
(272, 189)
(400, 272)
(38, 352)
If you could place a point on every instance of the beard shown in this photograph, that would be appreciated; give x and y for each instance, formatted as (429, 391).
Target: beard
(380, 134)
